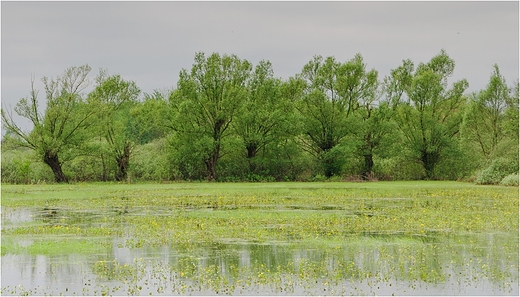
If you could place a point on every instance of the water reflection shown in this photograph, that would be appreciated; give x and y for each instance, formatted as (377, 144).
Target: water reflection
(381, 264)
(361, 268)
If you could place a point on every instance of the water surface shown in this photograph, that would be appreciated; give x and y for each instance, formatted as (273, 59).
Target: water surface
(367, 264)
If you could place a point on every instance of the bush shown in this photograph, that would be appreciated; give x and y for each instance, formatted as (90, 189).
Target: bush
(498, 170)
(397, 168)
(319, 178)
(150, 162)
(510, 180)
(21, 166)
(41, 173)
(15, 170)
(86, 169)
(455, 164)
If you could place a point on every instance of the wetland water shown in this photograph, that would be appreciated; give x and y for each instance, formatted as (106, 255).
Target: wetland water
(371, 263)
(402, 238)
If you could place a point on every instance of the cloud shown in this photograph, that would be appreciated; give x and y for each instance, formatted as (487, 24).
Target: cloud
(150, 42)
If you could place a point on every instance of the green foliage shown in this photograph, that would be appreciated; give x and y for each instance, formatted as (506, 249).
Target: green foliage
(206, 101)
(283, 161)
(86, 168)
(429, 115)
(266, 117)
(152, 116)
(332, 161)
(497, 171)
(485, 116)
(186, 156)
(233, 164)
(375, 136)
(510, 180)
(333, 92)
(230, 121)
(15, 168)
(120, 131)
(61, 127)
(22, 166)
(150, 162)
(511, 114)
(397, 168)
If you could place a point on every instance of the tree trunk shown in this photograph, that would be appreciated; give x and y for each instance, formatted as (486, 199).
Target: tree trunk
(369, 164)
(429, 160)
(329, 172)
(211, 163)
(104, 173)
(368, 156)
(52, 160)
(330, 164)
(123, 161)
(252, 149)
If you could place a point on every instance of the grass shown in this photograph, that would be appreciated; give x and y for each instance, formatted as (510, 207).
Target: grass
(52, 247)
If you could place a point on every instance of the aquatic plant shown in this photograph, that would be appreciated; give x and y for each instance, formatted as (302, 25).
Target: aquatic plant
(271, 238)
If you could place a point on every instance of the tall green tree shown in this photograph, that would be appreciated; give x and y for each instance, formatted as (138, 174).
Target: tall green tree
(429, 112)
(323, 113)
(335, 92)
(118, 128)
(265, 116)
(485, 115)
(358, 89)
(511, 114)
(61, 127)
(376, 127)
(206, 102)
(153, 116)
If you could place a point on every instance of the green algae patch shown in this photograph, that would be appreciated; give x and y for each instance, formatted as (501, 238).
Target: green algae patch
(54, 247)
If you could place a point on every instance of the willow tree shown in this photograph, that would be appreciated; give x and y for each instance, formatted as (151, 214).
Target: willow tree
(323, 112)
(428, 111)
(206, 101)
(334, 94)
(485, 115)
(60, 128)
(512, 112)
(115, 97)
(265, 116)
(358, 90)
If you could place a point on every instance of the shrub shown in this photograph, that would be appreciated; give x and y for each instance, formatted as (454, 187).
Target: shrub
(86, 168)
(319, 178)
(21, 166)
(510, 180)
(150, 162)
(455, 164)
(397, 168)
(498, 169)
(10, 170)
(41, 173)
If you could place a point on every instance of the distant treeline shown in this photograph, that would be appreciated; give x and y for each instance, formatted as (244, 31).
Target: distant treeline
(229, 120)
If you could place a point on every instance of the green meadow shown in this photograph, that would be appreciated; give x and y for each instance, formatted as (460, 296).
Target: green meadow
(262, 238)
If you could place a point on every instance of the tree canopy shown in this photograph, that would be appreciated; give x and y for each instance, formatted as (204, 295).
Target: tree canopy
(228, 119)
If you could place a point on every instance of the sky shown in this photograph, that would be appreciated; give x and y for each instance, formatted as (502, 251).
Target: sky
(150, 42)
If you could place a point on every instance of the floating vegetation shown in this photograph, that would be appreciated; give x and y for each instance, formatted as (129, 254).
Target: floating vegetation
(280, 238)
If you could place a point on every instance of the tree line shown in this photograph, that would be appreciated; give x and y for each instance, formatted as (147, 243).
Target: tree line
(229, 120)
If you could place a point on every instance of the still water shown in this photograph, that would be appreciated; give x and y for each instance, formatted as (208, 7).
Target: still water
(461, 264)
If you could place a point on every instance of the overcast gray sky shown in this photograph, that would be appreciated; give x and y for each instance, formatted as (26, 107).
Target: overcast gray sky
(150, 42)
